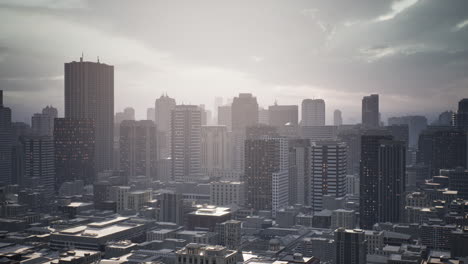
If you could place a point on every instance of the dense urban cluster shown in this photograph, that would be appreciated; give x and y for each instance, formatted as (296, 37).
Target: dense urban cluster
(235, 184)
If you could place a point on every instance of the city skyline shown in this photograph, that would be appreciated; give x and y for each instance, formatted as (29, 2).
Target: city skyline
(296, 52)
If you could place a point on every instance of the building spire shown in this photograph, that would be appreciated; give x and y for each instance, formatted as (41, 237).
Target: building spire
(82, 56)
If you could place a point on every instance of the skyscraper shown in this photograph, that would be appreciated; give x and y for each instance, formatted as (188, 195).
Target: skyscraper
(351, 246)
(42, 124)
(327, 171)
(280, 115)
(89, 93)
(370, 111)
(382, 178)
(151, 114)
(186, 142)
(244, 111)
(74, 142)
(127, 114)
(461, 117)
(416, 124)
(224, 116)
(266, 173)
(138, 148)
(163, 108)
(39, 163)
(337, 119)
(313, 112)
(6, 143)
(215, 148)
(299, 181)
(442, 148)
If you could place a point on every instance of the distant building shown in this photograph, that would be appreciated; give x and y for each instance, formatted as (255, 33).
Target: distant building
(279, 115)
(229, 234)
(163, 109)
(197, 253)
(327, 171)
(351, 246)
(74, 143)
(186, 142)
(151, 114)
(138, 149)
(43, 124)
(6, 143)
(313, 112)
(337, 119)
(215, 148)
(370, 111)
(416, 124)
(227, 193)
(207, 216)
(224, 116)
(317, 133)
(89, 94)
(461, 117)
(127, 114)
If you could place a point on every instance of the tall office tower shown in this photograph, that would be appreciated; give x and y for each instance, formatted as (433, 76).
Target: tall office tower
(43, 124)
(263, 116)
(313, 112)
(244, 111)
(224, 116)
(337, 119)
(127, 114)
(89, 93)
(370, 111)
(74, 143)
(39, 165)
(163, 108)
(382, 178)
(6, 143)
(352, 138)
(261, 131)
(280, 115)
(186, 142)
(461, 117)
(351, 246)
(171, 207)
(327, 172)
(299, 171)
(138, 149)
(151, 114)
(218, 101)
(416, 124)
(442, 148)
(266, 173)
(215, 148)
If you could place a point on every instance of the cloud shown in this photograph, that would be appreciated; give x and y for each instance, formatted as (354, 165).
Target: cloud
(460, 25)
(398, 7)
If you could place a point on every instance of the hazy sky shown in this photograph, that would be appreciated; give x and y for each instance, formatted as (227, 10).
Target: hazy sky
(413, 53)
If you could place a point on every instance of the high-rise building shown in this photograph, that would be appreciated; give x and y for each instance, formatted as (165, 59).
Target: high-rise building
(317, 133)
(299, 150)
(382, 178)
(6, 143)
(327, 172)
(151, 114)
(163, 108)
(127, 114)
(352, 138)
(370, 111)
(42, 124)
(229, 234)
(458, 181)
(227, 193)
(337, 119)
(74, 150)
(267, 173)
(39, 167)
(186, 142)
(244, 111)
(215, 148)
(313, 112)
(138, 152)
(171, 208)
(263, 116)
(351, 247)
(224, 116)
(280, 115)
(461, 117)
(442, 148)
(89, 93)
(416, 124)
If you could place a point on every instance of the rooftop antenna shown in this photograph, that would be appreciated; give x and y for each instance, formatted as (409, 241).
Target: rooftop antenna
(98, 59)
(82, 56)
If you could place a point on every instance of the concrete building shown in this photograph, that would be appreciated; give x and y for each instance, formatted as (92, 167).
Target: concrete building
(350, 246)
(215, 148)
(337, 118)
(89, 93)
(280, 115)
(313, 112)
(138, 149)
(6, 143)
(225, 117)
(207, 216)
(197, 253)
(163, 109)
(229, 234)
(224, 193)
(186, 142)
(343, 218)
(370, 111)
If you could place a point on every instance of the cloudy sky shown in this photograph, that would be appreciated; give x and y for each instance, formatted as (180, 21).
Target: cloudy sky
(413, 53)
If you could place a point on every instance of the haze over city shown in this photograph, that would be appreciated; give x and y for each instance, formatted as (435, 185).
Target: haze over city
(411, 52)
